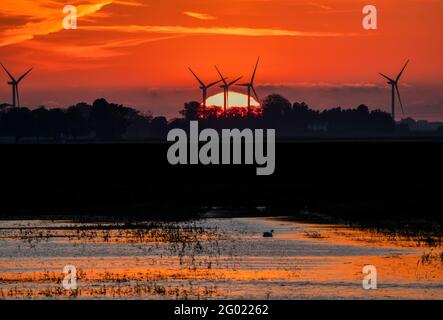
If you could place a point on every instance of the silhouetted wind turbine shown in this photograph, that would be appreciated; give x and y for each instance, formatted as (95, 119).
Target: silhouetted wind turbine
(225, 88)
(204, 87)
(394, 84)
(250, 86)
(14, 83)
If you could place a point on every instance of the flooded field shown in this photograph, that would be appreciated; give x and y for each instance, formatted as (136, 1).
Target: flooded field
(213, 258)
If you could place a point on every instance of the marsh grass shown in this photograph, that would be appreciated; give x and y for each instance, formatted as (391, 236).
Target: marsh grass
(314, 235)
(427, 234)
(431, 258)
(185, 241)
(136, 290)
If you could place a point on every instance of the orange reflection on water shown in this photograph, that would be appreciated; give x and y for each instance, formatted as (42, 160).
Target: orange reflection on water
(228, 260)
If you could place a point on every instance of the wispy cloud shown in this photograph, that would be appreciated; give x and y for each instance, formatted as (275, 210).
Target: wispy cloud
(96, 51)
(235, 31)
(198, 15)
(43, 17)
(320, 6)
(331, 85)
(129, 3)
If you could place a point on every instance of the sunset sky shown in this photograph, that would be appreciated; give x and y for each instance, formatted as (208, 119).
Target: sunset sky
(137, 52)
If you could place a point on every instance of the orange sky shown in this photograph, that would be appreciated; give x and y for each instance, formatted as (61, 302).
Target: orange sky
(138, 51)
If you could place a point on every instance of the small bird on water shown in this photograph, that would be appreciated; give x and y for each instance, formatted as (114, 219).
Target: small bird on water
(268, 234)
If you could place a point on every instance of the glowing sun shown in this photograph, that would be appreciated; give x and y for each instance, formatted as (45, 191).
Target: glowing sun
(236, 99)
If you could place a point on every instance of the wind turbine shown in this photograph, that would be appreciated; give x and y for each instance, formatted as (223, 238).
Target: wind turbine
(204, 87)
(225, 88)
(14, 83)
(250, 86)
(394, 84)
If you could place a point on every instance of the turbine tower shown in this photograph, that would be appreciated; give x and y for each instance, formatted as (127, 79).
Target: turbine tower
(225, 87)
(394, 85)
(204, 87)
(250, 86)
(14, 83)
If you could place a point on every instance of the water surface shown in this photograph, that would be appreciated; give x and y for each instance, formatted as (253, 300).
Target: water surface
(214, 258)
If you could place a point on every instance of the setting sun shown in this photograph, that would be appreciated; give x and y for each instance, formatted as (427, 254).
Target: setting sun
(236, 99)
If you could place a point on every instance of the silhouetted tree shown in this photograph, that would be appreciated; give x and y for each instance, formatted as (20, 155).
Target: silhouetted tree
(17, 122)
(77, 118)
(237, 112)
(58, 123)
(159, 127)
(41, 121)
(111, 121)
(402, 128)
(275, 106)
(211, 112)
(140, 127)
(108, 121)
(191, 111)
(381, 122)
(301, 117)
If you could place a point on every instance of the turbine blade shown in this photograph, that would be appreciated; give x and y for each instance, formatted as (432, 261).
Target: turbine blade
(399, 99)
(401, 72)
(255, 94)
(221, 76)
(243, 84)
(385, 76)
(232, 82)
(198, 79)
(255, 70)
(24, 75)
(213, 84)
(9, 74)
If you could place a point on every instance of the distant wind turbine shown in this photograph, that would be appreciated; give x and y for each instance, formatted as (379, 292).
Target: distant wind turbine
(250, 85)
(204, 87)
(225, 87)
(394, 85)
(14, 83)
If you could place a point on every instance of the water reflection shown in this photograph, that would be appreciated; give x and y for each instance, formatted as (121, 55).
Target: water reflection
(214, 259)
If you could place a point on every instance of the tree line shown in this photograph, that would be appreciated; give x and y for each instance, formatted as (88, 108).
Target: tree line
(108, 121)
